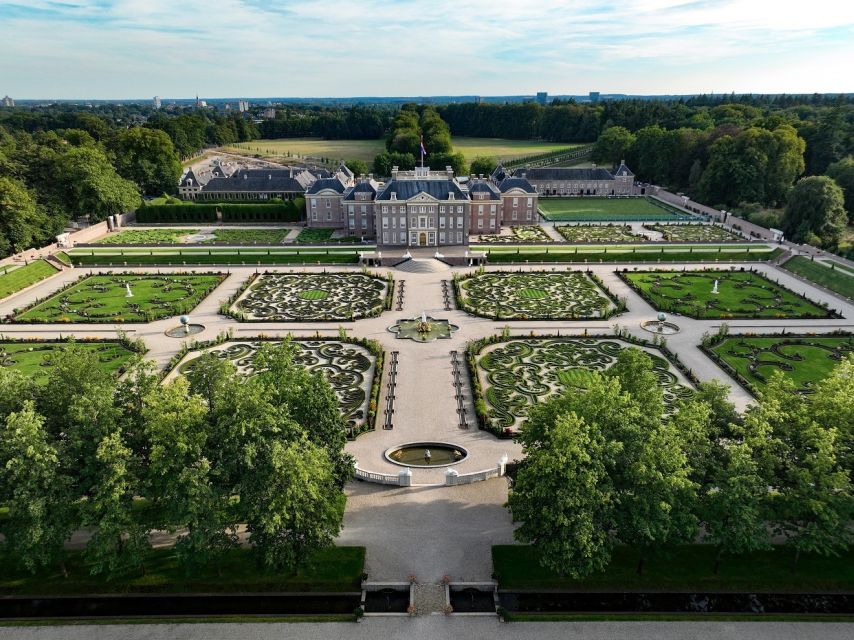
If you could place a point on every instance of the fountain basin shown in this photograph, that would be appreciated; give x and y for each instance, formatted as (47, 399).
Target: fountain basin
(183, 331)
(415, 454)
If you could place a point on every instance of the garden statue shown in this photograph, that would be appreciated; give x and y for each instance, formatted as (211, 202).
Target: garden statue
(185, 320)
(715, 287)
(129, 293)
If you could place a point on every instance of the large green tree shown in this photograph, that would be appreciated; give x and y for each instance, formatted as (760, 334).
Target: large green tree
(815, 212)
(843, 174)
(613, 145)
(147, 157)
(91, 185)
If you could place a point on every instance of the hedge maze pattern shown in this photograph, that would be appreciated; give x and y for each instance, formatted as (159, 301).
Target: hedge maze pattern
(741, 294)
(521, 233)
(518, 374)
(533, 295)
(312, 296)
(806, 360)
(347, 367)
(694, 233)
(103, 298)
(605, 233)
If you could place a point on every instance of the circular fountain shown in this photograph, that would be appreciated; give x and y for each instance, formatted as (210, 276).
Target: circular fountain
(426, 455)
(660, 326)
(186, 329)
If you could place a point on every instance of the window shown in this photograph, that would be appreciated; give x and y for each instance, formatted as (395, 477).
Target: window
(313, 202)
(422, 209)
(515, 202)
(413, 238)
(459, 237)
(492, 209)
(431, 237)
(393, 222)
(403, 237)
(364, 208)
(530, 201)
(385, 209)
(514, 214)
(385, 224)
(385, 237)
(459, 208)
(422, 222)
(480, 223)
(314, 216)
(328, 216)
(402, 222)
(413, 223)
(351, 221)
(442, 223)
(442, 237)
(364, 222)
(328, 203)
(442, 209)
(459, 222)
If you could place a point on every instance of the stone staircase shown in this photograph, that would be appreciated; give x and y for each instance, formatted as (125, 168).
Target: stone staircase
(422, 265)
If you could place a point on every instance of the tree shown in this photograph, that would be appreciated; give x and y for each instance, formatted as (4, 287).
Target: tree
(148, 158)
(20, 218)
(833, 406)
(483, 165)
(733, 505)
(613, 145)
(119, 540)
(563, 496)
(816, 211)
(42, 513)
(842, 173)
(797, 455)
(292, 504)
(91, 185)
(358, 167)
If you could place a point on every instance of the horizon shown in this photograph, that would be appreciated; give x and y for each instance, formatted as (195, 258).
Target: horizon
(648, 48)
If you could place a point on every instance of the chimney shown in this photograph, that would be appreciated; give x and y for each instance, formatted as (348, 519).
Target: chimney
(245, 176)
(269, 176)
(291, 169)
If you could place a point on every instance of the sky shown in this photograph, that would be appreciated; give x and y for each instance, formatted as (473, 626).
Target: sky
(123, 49)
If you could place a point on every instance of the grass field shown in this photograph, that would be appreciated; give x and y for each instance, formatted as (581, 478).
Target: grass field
(22, 277)
(741, 294)
(335, 569)
(688, 568)
(180, 257)
(605, 209)
(103, 298)
(34, 358)
(804, 360)
(366, 150)
(836, 279)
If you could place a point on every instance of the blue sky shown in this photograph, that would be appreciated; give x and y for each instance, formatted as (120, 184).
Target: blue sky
(233, 48)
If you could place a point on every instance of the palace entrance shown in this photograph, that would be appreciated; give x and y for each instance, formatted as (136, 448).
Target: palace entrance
(422, 239)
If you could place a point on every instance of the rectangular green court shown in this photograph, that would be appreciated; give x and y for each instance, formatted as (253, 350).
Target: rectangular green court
(608, 209)
(14, 279)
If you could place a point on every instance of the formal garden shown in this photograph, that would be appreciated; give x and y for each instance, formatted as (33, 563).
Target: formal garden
(35, 359)
(352, 367)
(721, 294)
(599, 233)
(512, 375)
(123, 297)
(579, 209)
(303, 297)
(805, 360)
(693, 232)
(535, 295)
(14, 278)
(520, 233)
(321, 236)
(129, 237)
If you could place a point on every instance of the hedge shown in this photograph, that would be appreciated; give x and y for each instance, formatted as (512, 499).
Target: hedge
(202, 212)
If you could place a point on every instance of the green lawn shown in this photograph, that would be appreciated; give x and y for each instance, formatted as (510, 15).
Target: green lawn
(146, 236)
(179, 257)
(335, 569)
(606, 209)
(804, 360)
(16, 279)
(836, 279)
(248, 236)
(315, 236)
(688, 568)
(741, 294)
(103, 298)
(34, 358)
(500, 148)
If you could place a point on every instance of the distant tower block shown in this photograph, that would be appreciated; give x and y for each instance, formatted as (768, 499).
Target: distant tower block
(594, 96)
(542, 97)
(156, 101)
(8, 102)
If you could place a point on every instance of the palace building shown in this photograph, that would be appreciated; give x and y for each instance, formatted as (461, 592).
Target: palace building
(573, 181)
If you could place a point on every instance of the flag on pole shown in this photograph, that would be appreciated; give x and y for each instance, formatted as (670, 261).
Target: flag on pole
(423, 151)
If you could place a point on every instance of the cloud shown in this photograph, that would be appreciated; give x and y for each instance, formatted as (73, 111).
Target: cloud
(133, 48)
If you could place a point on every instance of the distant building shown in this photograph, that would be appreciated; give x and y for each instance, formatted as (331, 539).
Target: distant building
(594, 96)
(243, 106)
(8, 102)
(542, 97)
(224, 182)
(269, 113)
(573, 181)
(200, 103)
(156, 101)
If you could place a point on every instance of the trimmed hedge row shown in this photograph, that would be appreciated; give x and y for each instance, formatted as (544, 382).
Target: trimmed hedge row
(498, 257)
(213, 258)
(287, 212)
